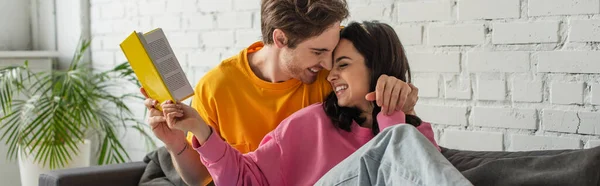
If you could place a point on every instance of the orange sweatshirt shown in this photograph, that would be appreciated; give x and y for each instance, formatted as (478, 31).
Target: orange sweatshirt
(243, 108)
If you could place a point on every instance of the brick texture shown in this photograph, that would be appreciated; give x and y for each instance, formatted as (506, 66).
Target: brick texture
(527, 91)
(425, 11)
(428, 62)
(470, 140)
(585, 30)
(525, 33)
(491, 90)
(498, 61)
(589, 123)
(560, 121)
(596, 94)
(489, 71)
(567, 93)
(488, 9)
(527, 142)
(563, 7)
(592, 144)
(442, 114)
(504, 117)
(569, 61)
(468, 34)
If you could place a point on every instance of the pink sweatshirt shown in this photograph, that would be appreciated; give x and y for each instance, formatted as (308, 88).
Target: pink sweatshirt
(298, 152)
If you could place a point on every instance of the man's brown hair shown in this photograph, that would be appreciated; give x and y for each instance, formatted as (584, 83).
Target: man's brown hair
(299, 19)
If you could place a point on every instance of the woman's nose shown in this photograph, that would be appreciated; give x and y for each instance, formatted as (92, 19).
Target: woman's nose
(332, 76)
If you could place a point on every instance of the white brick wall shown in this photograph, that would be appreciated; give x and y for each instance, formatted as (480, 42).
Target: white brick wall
(491, 89)
(246, 5)
(375, 11)
(468, 34)
(215, 5)
(410, 34)
(585, 30)
(526, 142)
(592, 143)
(428, 86)
(569, 61)
(504, 117)
(184, 40)
(471, 140)
(491, 73)
(589, 123)
(563, 7)
(425, 11)
(234, 20)
(525, 32)
(596, 94)
(196, 21)
(560, 121)
(457, 88)
(168, 23)
(488, 9)
(429, 62)
(526, 91)
(443, 114)
(218, 38)
(498, 61)
(566, 93)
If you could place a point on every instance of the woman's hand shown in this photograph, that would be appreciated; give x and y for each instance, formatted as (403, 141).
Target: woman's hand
(185, 118)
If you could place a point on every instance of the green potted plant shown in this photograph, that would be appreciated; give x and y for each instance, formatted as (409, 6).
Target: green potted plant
(48, 118)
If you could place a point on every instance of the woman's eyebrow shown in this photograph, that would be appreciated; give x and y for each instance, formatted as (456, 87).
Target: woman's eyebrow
(341, 57)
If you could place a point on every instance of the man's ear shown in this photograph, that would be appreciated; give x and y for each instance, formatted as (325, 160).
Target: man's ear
(279, 38)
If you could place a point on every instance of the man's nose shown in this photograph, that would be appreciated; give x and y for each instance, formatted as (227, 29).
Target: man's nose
(327, 62)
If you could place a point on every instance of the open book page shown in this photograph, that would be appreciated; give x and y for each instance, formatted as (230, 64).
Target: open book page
(167, 64)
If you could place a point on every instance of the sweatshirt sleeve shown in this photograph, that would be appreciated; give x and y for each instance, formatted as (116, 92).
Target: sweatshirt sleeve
(228, 166)
(400, 118)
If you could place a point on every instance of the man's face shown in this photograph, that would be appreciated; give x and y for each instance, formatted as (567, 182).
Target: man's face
(311, 55)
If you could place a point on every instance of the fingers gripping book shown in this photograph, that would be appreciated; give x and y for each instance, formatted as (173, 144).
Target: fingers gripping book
(156, 67)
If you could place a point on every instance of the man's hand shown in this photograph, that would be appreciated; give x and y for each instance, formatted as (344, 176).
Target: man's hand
(173, 139)
(393, 94)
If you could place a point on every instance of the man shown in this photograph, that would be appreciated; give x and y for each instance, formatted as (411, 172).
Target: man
(249, 94)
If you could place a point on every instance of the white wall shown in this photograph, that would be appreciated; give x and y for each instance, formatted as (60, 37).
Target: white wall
(14, 35)
(72, 23)
(493, 74)
(9, 170)
(15, 25)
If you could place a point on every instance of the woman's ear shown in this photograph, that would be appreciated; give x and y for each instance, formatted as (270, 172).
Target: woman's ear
(279, 38)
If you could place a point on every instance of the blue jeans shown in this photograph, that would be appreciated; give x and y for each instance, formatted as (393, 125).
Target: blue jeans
(399, 155)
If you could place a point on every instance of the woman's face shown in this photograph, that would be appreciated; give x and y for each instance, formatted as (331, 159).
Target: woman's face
(349, 76)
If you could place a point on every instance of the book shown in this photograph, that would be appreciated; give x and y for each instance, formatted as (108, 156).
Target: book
(156, 66)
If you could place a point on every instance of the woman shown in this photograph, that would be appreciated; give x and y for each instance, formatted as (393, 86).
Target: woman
(306, 145)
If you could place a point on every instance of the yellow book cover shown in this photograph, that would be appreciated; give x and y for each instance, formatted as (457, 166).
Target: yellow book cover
(156, 67)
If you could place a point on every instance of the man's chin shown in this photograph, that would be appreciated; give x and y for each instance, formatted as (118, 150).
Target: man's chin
(308, 80)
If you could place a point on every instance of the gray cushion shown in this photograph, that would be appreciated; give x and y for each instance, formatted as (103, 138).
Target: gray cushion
(554, 167)
(116, 174)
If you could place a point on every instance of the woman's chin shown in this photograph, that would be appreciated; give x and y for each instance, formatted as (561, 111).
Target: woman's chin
(342, 103)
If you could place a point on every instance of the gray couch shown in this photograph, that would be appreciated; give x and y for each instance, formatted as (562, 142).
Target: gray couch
(553, 167)
(117, 174)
